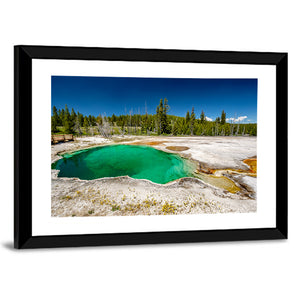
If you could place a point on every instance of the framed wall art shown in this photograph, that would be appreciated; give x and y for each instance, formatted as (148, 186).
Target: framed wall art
(142, 146)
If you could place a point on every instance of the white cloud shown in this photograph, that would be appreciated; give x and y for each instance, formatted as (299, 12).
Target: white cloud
(242, 118)
(208, 119)
(239, 119)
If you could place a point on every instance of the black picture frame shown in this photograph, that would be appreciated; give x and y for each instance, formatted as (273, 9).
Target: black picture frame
(23, 56)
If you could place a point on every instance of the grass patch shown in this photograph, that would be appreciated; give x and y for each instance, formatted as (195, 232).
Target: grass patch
(168, 208)
(115, 207)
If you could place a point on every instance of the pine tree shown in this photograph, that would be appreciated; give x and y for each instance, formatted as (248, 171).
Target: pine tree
(159, 113)
(192, 121)
(68, 123)
(86, 125)
(164, 119)
(99, 120)
(123, 126)
(54, 120)
(113, 119)
(53, 125)
(187, 117)
(202, 117)
(90, 120)
(223, 118)
(73, 115)
(80, 119)
(61, 117)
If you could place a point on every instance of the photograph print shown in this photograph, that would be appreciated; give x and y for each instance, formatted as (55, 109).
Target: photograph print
(128, 146)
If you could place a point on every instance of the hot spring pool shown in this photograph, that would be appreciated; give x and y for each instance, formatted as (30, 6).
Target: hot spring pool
(136, 161)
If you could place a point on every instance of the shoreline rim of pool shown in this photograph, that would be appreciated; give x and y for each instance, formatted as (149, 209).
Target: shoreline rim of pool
(184, 167)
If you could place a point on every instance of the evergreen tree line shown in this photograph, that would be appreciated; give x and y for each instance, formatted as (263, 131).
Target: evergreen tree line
(160, 123)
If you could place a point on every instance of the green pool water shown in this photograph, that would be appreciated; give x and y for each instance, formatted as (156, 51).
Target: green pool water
(140, 162)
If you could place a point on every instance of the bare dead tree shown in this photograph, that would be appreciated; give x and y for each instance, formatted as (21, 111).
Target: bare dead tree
(130, 124)
(91, 129)
(238, 128)
(231, 128)
(104, 128)
(146, 113)
(77, 126)
(222, 132)
(217, 129)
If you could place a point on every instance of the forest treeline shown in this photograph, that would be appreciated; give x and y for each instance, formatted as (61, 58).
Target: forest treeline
(161, 123)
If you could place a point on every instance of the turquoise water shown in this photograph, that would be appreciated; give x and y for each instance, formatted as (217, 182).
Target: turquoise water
(140, 162)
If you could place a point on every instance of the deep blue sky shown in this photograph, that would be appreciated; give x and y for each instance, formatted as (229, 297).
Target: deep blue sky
(119, 95)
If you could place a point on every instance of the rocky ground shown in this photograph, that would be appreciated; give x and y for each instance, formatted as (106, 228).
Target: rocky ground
(224, 184)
